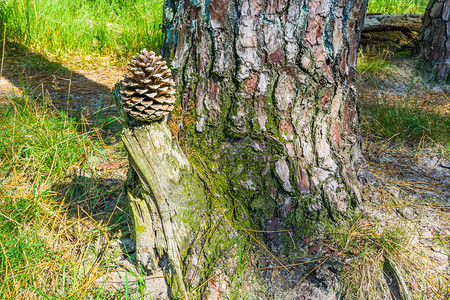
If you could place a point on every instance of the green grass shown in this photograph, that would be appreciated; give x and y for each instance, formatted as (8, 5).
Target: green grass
(406, 121)
(115, 28)
(39, 242)
(394, 7)
(43, 141)
(54, 212)
(101, 27)
(374, 63)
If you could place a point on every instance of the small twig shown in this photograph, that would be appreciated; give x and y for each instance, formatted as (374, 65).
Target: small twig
(3, 52)
(267, 231)
(293, 265)
(203, 249)
(206, 281)
(265, 248)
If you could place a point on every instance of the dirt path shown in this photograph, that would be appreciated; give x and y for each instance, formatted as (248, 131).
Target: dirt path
(84, 88)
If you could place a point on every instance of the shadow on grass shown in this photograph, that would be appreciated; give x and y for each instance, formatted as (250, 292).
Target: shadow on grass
(100, 199)
(67, 90)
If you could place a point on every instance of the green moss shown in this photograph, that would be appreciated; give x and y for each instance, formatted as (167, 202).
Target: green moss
(264, 204)
(273, 118)
(238, 173)
(226, 245)
(311, 218)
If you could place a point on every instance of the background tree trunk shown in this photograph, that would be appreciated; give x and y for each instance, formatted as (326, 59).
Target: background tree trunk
(408, 24)
(266, 93)
(433, 41)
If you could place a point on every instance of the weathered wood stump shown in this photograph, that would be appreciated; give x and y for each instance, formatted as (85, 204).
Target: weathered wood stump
(166, 198)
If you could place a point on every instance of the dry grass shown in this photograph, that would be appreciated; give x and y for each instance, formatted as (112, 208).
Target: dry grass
(375, 61)
(383, 235)
(405, 223)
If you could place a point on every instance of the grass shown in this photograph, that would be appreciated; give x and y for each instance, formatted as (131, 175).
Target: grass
(394, 7)
(36, 148)
(44, 142)
(45, 252)
(85, 27)
(409, 118)
(376, 251)
(405, 121)
(115, 28)
(374, 64)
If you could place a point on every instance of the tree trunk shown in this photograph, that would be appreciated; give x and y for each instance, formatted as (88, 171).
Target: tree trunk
(266, 94)
(433, 43)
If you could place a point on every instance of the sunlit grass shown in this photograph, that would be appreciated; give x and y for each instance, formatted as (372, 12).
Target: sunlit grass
(375, 250)
(111, 27)
(394, 7)
(405, 121)
(374, 64)
(102, 27)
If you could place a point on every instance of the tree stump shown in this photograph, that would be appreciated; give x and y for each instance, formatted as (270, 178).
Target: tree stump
(167, 200)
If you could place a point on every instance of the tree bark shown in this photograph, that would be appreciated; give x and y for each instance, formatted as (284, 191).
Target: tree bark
(433, 41)
(266, 94)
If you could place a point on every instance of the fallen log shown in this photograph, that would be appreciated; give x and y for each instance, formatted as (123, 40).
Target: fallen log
(407, 24)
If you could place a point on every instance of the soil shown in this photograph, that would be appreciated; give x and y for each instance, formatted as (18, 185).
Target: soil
(416, 177)
(417, 167)
(73, 85)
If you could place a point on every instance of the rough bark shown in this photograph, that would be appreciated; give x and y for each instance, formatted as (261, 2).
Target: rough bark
(266, 94)
(407, 24)
(433, 42)
(166, 198)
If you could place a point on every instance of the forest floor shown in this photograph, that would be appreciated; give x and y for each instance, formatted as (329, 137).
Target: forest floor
(411, 190)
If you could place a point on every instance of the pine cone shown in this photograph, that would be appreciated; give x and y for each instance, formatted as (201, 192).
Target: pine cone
(147, 94)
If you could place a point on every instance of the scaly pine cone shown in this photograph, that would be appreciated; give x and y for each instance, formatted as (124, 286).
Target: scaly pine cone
(147, 94)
